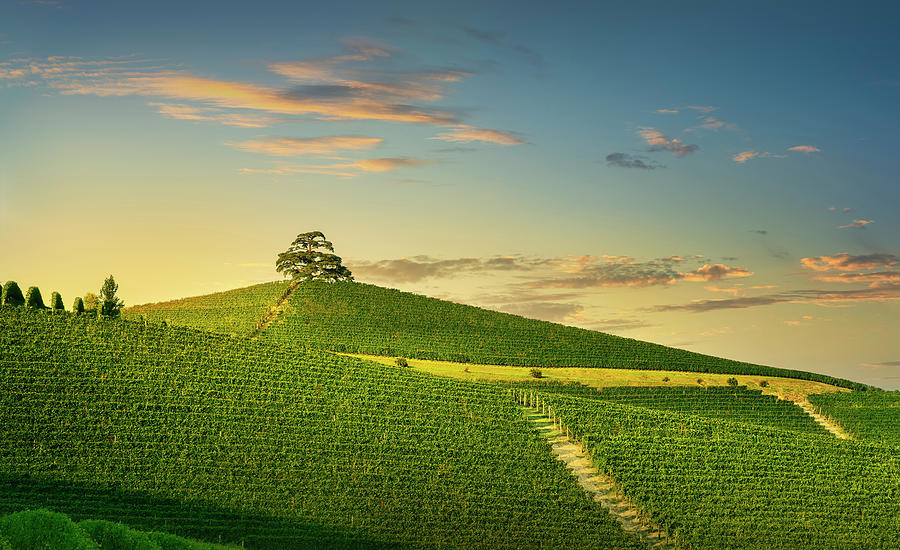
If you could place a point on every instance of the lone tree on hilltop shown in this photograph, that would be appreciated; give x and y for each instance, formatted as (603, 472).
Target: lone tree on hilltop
(110, 305)
(309, 259)
(12, 294)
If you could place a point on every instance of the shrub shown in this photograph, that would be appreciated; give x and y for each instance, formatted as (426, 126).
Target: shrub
(115, 536)
(764, 384)
(536, 373)
(33, 298)
(39, 529)
(12, 294)
(401, 362)
(700, 381)
(56, 302)
(666, 379)
(732, 381)
(78, 306)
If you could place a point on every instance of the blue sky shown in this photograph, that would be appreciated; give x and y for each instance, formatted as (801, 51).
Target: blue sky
(717, 177)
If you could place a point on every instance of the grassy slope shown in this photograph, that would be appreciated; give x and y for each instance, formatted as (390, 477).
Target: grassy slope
(233, 312)
(362, 318)
(720, 484)
(874, 416)
(210, 436)
(791, 389)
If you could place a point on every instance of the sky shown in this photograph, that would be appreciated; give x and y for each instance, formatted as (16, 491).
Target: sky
(717, 177)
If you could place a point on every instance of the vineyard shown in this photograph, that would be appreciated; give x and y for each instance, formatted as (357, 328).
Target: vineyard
(720, 484)
(872, 416)
(360, 318)
(226, 439)
(737, 404)
(234, 312)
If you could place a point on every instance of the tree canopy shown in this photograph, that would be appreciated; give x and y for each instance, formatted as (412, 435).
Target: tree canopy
(110, 304)
(310, 257)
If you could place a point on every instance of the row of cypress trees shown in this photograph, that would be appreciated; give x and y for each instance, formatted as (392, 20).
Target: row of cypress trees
(12, 296)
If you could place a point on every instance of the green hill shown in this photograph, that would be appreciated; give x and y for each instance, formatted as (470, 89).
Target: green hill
(874, 416)
(361, 318)
(234, 312)
(720, 484)
(220, 438)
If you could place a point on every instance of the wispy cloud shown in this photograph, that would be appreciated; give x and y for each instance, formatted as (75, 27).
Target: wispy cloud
(658, 142)
(814, 296)
(624, 160)
(588, 272)
(805, 149)
(468, 134)
(181, 111)
(388, 164)
(882, 364)
(418, 268)
(856, 224)
(290, 147)
(498, 39)
(744, 156)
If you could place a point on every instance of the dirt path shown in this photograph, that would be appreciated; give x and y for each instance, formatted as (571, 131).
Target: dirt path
(600, 486)
(273, 310)
(832, 427)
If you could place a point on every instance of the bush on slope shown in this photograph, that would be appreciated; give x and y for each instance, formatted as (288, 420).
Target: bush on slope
(209, 436)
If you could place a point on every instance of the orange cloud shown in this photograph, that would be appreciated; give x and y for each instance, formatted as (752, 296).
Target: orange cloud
(856, 224)
(715, 272)
(388, 164)
(744, 156)
(847, 262)
(805, 148)
(657, 141)
(289, 147)
(181, 111)
(467, 134)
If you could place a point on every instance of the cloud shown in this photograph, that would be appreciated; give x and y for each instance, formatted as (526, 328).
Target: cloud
(856, 224)
(627, 272)
(848, 262)
(876, 279)
(417, 268)
(759, 231)
(468, 134)
(805, 149)
(388, 164)
(341, 169)
(815, 296)
(715, 272)
(701, 108)
(744, 156)
(708, 122)
(667, 111)
(181, 111)
(498, 39)
(624, 160)
(289, 147)
(658, 142)
(882, 364)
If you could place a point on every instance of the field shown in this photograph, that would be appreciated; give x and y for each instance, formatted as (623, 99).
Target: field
(193, 418)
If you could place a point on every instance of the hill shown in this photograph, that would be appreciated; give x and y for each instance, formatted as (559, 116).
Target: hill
(221, 438)
(234, 312)
(362, 318)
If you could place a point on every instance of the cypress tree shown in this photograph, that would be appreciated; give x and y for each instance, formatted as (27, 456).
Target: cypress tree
(34, 299)
(78, 306)
(12, 294)
(56, 302)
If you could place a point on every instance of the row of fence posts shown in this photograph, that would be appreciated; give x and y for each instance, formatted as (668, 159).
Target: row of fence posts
(529, 399)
